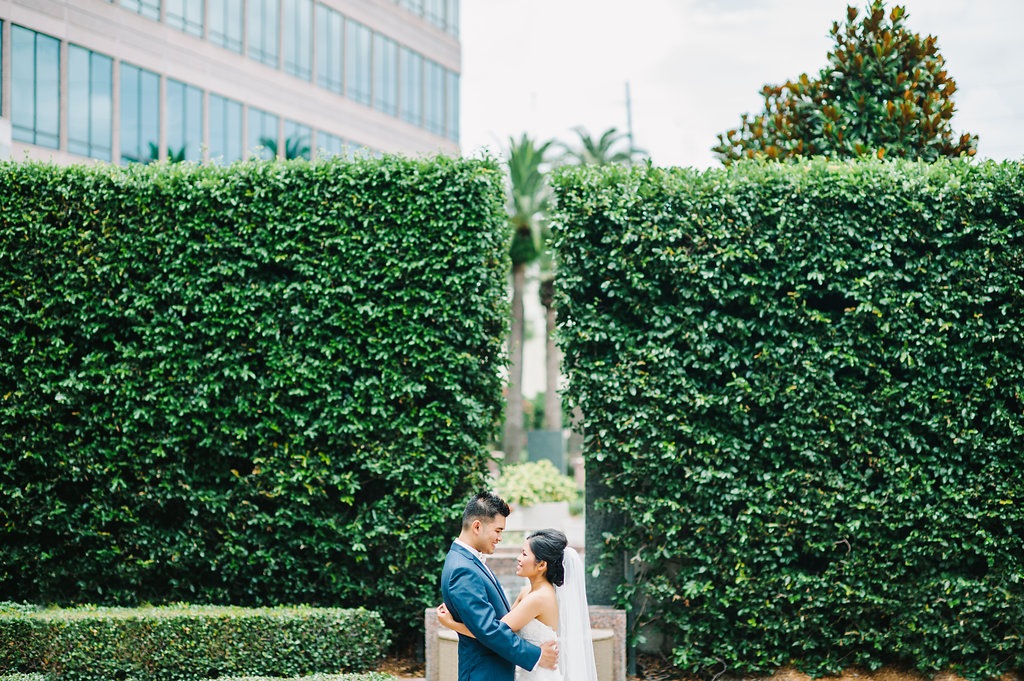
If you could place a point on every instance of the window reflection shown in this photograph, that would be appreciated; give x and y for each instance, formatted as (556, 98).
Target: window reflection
(357, 61)
(264, 25)
(262, 135)
(184, 122)
(410, 68)
(298, 38)
(328, 145)
(90, 103)
(330, 45)
(385, 74)
(140, 115)
(226, 23)
(147, 8)
(297, 139)
(35, 95)
(225, 129)
(186, 15)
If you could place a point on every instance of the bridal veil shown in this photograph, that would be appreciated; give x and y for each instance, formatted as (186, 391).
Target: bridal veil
(576, 651)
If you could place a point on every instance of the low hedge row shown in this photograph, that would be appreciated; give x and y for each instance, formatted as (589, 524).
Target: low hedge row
(186, 643)
(366, 676)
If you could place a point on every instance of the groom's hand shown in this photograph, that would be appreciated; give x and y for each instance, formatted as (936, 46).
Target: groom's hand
(548, 655)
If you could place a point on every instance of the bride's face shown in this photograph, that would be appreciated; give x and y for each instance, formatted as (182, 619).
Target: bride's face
(528, 565)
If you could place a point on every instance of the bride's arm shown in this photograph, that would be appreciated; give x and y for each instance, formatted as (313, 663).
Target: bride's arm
(524, 610)
(446, 619)
(528, 606)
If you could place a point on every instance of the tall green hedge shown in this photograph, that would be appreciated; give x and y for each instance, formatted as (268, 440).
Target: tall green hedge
(258, 384)
(803, 387)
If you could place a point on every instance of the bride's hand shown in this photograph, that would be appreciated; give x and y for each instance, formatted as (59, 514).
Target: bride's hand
(445, 617)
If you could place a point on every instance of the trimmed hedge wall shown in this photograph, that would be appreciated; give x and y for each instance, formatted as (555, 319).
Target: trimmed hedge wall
(803, 387)
(189, 643)
(269, 383)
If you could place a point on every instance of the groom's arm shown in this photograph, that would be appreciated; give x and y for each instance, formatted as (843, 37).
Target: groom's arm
(469, 603)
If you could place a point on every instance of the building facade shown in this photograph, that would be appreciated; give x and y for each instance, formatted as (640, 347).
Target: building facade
(128, 81)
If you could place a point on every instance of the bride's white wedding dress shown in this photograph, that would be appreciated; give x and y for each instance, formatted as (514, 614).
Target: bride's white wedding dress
(575, 650)
(537, 632)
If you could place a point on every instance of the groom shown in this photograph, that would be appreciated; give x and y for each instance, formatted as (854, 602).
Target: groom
(474, 597)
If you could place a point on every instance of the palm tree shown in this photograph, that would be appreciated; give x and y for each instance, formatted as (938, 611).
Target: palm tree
(294, 146)
(529, 198)
(601, 151)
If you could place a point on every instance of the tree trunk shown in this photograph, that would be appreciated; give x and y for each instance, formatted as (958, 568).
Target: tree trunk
(513, 440)
(552, 359)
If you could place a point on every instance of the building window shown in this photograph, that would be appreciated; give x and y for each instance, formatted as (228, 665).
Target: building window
(330, 46)
(433, 11)
(410, 70)
(414, 6)
(90, 103)
(452, 18)
(262, 138)
(452, 108)
(140, 115)
(297, 140)
(328, 145)
(433, 119)
(184, 122)
(186, 15)
(385, 74)
(358, 62)
(264, 30)
(147, 8)
(35, 91)
(226, 23)
(298, 38)
(225, 129)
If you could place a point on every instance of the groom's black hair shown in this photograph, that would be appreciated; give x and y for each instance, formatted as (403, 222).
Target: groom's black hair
(484, 506)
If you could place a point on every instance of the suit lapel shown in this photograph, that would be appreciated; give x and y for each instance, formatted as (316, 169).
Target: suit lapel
(494, 580)
(487, 573)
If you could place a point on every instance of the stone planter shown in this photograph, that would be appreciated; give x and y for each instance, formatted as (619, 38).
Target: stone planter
(608, 635)
(538, 516)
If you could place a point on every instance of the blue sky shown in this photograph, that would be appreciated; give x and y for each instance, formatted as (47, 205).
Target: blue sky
(693, 66)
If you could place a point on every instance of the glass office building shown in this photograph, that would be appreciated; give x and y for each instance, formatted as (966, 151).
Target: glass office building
(133, 81)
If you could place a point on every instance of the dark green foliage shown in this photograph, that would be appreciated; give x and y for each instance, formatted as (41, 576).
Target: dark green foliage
(270, 383)
(885, 91)
(804, 387)
(186, 643)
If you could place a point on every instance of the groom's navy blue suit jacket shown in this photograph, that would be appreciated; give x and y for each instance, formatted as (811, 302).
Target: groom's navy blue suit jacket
(475, 598)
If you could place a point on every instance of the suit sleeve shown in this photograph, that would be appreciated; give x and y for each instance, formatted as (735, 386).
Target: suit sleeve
(471, 605)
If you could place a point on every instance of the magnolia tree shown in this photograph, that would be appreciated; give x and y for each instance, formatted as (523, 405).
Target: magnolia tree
(885, 91)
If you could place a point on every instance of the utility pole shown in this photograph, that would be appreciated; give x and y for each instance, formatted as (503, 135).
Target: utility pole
(629, 119)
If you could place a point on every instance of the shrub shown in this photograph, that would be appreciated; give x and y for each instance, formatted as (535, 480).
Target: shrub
(534, 482)
(182, 643)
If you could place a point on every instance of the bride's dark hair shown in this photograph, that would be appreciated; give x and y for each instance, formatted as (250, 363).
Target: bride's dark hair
(549, 546)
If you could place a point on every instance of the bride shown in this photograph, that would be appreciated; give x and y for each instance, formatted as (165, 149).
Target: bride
(553, 605)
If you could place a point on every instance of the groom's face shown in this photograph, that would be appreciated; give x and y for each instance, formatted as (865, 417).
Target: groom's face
(489, 535)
